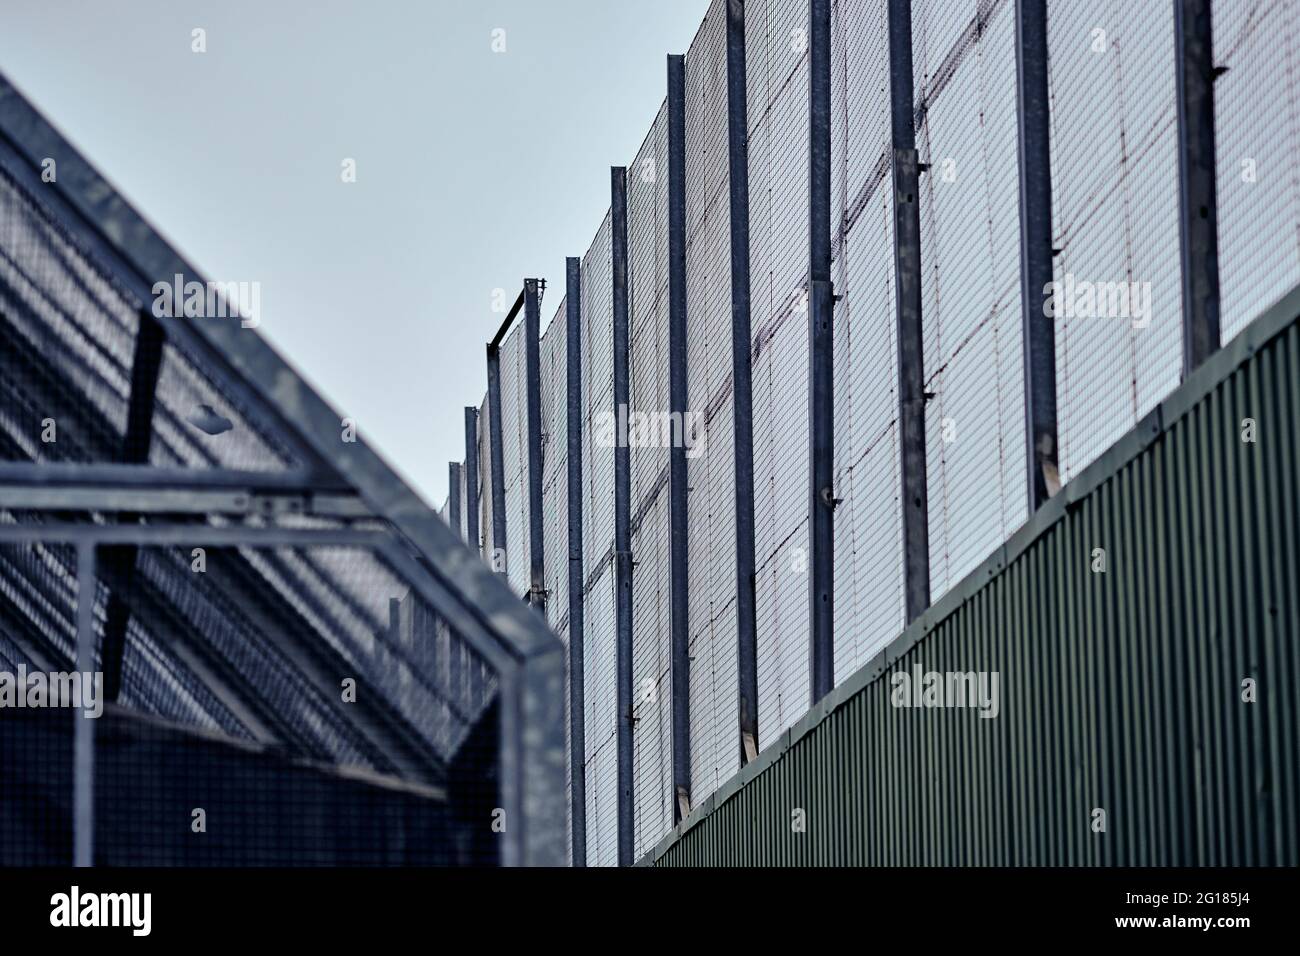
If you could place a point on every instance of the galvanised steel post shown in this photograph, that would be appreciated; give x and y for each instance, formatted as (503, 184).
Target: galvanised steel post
(83, 744)
(497, 476)
(453, 496)
(1198, 203)
(471, 479)
(533, 383)
(907, 285)
(1033, 117)
(742, 380)
(821, 359)
(622, 515)
(679, 613)
(577, 672)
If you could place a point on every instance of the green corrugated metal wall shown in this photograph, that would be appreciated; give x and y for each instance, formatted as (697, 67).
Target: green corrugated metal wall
(1120, 690)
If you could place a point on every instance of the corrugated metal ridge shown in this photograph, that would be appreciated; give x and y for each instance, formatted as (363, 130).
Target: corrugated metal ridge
(1270, 325)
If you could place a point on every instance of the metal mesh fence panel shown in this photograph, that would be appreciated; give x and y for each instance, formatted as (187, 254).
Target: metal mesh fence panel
(598, 544)
(650, 436)
(1256, 135)
(711, 502)
(514, 453)
(555, 476)
(1115, 219)
(555, 500)
(964, 67)
(777, 83)
(868, 532)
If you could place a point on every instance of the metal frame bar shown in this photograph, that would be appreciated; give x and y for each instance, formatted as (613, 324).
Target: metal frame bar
(119, 475)
(622, 516)
(1198, 216)
(83, 755)
(577, 663)
(476, 600)
(533, 385)
(907, 284)
(198, 535)
(471, 479)
(678, 523)
(742, 385)
(1033, 119)
(821, 360)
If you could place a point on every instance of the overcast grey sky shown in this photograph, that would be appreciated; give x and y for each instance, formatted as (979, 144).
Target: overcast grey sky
(474, 168)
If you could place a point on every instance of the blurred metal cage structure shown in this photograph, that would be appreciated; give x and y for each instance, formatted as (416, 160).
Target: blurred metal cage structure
(855, 209)
(291, 642)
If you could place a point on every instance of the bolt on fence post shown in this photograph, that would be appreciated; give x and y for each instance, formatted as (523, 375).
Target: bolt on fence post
(821, 359)
(83, 758)
(907, 285)
(497, 477)
(742, 384)
(471, 479)
(1198, 217)
(577, 664)
(533, 385)
(677, 396)
(1033, 119)
(453, 496)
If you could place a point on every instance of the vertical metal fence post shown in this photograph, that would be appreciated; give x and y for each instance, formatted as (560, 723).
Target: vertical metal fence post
(622, 514)
(1035, 159)
(577, 672)
(453, 496)
(907, 285)
(497, 476)
(821, 359)
(83, 755)
(742, 381)
(679, 614)
(1198, 204)
(471, 479)
(533, 383)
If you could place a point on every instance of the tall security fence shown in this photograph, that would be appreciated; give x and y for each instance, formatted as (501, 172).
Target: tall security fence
(891, 275)
(229, 633)
(1142, 627)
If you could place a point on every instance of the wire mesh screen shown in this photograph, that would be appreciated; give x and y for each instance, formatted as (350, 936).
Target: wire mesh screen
(555, 468)
(598, 546)
(868, 533)
(964, 65)
(1115, 219)
(711, 502)
(647, 214)
(555, 501)
(1256, 134)
(514, 454)
(776, 62)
